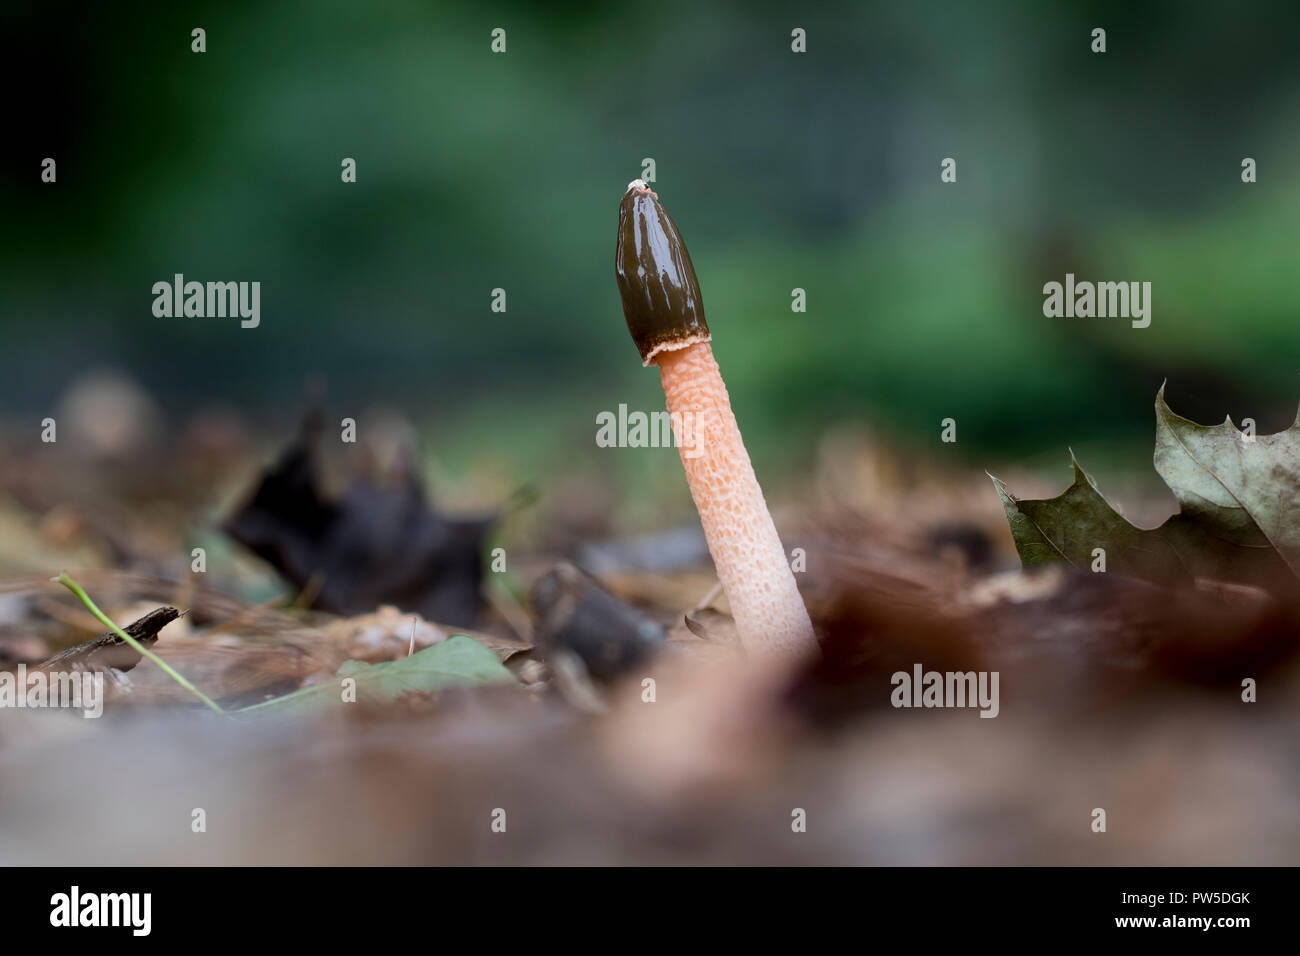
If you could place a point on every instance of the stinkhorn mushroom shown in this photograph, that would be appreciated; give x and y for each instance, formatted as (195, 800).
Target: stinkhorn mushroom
(661, 301)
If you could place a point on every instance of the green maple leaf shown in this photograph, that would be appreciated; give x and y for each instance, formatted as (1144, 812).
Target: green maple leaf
(1240, 517)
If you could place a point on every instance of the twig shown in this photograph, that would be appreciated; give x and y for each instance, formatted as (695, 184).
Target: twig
(507, 605)
(708, 598)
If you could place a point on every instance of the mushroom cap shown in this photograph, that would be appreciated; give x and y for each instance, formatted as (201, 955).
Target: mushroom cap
(661, 296)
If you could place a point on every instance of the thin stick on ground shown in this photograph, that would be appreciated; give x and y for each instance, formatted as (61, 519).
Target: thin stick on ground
(708, 598)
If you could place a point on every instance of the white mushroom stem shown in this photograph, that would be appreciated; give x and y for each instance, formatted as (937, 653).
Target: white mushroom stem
(751, 563)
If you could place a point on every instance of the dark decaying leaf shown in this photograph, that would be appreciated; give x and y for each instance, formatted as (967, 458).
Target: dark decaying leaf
(1240, 520)
(373, 546)
(575, 614)
(110, 651)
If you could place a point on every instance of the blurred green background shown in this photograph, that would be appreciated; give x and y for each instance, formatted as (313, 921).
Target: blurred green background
(819, 171)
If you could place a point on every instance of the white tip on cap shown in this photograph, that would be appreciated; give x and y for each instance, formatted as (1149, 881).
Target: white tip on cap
(637, 184)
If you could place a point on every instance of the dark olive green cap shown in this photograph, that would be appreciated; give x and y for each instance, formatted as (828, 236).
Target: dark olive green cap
(661, 296)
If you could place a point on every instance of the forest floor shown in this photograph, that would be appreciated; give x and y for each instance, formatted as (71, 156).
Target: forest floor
(1115, 694)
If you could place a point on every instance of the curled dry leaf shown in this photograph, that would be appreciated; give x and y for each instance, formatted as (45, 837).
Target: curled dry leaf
(709, 624)
(110, 651)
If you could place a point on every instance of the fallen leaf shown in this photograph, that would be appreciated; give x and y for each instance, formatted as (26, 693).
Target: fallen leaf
(108, 651)
(1223, 491)
(371, 547)
(457, 661)
(1246, 489)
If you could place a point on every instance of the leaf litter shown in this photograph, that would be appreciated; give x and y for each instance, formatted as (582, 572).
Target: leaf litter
(1124, 684)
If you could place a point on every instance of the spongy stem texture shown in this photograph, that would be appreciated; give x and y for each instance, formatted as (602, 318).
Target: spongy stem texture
(765, 603)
